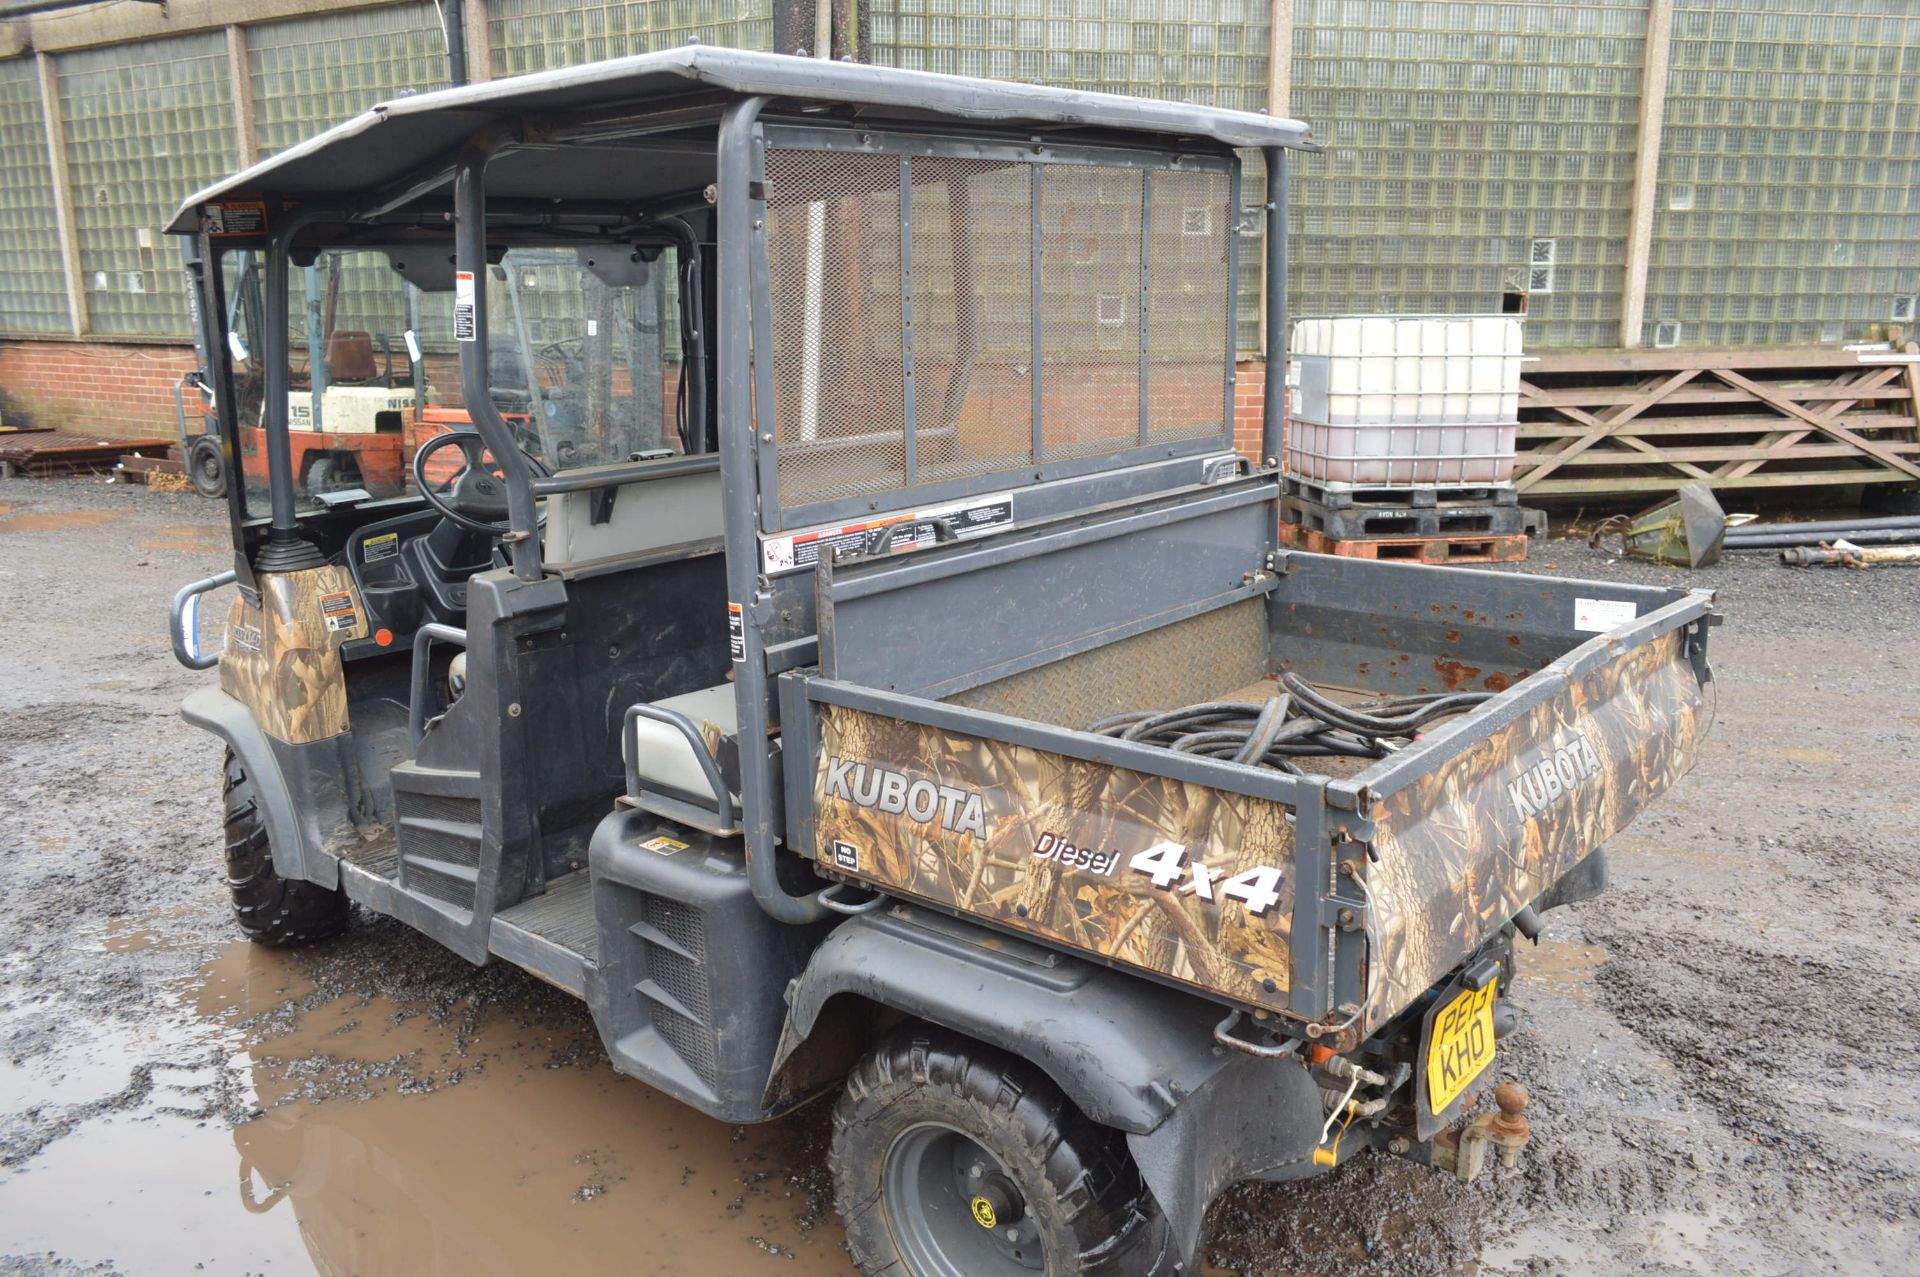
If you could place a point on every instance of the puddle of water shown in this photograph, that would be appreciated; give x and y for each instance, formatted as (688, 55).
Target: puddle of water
(446, 1144)
(121, 936)
(1535, 1250)
(1703, 1241)
(245, 980)
(59, 521)
(187, 538)
(145, 1194)
(1561, 965)
(54, 1057)
(520, 1169)
(1812, 754)
(1700, 854)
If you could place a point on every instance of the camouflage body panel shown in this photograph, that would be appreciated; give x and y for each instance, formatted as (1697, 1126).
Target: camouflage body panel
(282, 659)
(1045, 844)
(1472, 842)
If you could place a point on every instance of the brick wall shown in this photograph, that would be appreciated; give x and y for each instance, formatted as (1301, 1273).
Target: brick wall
(116, 391)
(125, 391)
(1249, 401)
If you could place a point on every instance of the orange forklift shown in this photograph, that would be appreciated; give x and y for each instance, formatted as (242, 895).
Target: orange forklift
(355, 424)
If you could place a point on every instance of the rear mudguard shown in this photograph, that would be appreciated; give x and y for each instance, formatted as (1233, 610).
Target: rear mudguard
(1130, 1054)
(1253, 1118)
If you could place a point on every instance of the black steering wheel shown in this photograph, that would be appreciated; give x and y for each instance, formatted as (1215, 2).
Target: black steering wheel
(475, 497)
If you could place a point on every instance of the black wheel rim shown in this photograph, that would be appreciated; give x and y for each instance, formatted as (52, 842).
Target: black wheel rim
(954, 1210)
(206, 466)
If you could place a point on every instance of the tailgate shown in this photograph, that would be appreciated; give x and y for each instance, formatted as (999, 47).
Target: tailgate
(1473, 823)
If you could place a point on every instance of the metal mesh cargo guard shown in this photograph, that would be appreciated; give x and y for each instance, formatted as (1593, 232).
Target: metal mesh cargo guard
(942, 318)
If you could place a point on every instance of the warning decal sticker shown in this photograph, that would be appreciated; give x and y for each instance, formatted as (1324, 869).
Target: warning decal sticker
(338, 611)
(463, 326)
(237, 217)
(798, 550)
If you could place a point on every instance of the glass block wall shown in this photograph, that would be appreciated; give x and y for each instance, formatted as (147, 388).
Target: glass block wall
(309, 73)
(1476, 145)
(147, 124)
(1213, 52)
(1788, 207)
(33, 288)
(532, 35)
(1472, 147)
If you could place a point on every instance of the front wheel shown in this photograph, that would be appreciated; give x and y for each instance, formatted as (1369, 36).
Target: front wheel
(207, 466)
(272, 910)
(951, 1159)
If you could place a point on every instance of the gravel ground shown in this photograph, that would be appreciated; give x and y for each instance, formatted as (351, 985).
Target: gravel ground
(1721, 1050)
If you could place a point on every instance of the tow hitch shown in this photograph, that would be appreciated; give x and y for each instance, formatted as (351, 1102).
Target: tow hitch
(1464, 1152)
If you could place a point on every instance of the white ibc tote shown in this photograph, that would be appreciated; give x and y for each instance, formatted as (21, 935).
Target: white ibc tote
(1405, 401)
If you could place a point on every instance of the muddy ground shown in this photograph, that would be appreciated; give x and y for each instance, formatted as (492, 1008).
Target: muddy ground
(1722, 1050)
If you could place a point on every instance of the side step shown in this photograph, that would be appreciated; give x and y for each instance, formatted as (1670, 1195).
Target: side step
(689, 990)
(367, 873)
(553, 935)
(437, 822)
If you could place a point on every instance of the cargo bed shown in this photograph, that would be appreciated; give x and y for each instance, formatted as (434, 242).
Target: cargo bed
(957, 768)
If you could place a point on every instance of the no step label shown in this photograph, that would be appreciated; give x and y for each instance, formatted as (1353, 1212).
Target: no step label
(463, 326)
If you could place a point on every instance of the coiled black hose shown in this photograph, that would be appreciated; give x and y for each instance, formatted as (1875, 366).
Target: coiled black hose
(1302, 722)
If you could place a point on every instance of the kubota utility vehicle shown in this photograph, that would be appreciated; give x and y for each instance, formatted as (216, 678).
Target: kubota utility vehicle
(881, 679)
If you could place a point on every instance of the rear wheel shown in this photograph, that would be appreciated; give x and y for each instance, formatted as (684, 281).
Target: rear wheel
(951, 1159)
(271, 910)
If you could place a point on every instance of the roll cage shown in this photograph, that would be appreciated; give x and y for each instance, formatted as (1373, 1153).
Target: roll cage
(679, 145)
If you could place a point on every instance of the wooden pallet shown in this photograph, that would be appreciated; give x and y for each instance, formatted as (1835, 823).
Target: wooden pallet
(1631, 423)
(1344, 495)
(1367, 521)
(1450, 549)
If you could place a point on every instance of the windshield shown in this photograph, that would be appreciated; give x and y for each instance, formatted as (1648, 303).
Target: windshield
(584, 360)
